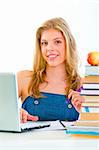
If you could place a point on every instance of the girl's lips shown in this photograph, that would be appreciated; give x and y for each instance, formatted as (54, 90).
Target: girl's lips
(52, 55)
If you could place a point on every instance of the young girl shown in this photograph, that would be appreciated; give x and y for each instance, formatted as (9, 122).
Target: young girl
(51, 91)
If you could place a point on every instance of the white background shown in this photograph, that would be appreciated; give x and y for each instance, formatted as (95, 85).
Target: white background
(19, 20)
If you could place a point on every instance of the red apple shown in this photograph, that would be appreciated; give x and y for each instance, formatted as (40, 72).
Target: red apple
(93, 58)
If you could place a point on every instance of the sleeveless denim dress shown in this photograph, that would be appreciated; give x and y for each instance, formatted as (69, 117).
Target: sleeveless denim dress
(51, 107)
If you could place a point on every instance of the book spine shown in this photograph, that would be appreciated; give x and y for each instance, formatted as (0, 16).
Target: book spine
(82, 132)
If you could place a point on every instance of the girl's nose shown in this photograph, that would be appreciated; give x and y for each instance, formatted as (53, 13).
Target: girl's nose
(50, 47)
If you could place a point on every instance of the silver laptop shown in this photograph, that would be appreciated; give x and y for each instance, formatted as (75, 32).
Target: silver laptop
(9, 107)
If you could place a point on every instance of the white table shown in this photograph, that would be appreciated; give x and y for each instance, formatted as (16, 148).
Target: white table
(46, 140)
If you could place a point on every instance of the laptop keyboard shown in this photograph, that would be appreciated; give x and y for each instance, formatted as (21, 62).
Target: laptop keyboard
(38, 124)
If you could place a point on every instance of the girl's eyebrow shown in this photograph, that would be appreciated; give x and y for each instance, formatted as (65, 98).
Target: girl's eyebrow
(43, 40)
(58, 38)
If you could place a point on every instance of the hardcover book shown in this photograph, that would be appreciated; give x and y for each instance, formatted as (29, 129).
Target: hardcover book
(92, 99)
(91, 104)
(91, 86)
(91, 129)
(91, 79)
(91, 70)
(89, 92)
(89, 116)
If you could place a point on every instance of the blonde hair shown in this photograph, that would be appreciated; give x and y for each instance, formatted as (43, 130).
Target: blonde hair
(39, 67)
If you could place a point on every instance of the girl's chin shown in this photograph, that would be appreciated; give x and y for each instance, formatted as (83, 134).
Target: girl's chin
(53, 64)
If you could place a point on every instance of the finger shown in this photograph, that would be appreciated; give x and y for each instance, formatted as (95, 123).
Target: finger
(20, 116)
(79, 98)
(77, 105)
(83, 99)
(70, 93)
(75, 102)
(24, 117)
(32, 118)
(76, 99)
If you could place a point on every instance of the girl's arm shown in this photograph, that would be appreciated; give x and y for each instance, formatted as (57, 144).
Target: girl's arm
(22, 92)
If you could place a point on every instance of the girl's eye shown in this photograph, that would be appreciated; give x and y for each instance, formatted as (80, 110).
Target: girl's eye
(43, 43)
(58, 42)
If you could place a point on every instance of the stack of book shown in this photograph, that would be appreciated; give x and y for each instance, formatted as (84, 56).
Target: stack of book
(90, 90)
(88, 124)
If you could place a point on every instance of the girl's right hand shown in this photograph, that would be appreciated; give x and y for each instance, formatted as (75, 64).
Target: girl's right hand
(25, 116)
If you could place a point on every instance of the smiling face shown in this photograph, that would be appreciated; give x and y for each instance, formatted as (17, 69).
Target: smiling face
(53, 47)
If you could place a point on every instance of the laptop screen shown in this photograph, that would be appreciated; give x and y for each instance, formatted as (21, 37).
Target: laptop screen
(9, 110)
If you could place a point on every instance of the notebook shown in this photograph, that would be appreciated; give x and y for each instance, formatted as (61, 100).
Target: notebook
(9, 107)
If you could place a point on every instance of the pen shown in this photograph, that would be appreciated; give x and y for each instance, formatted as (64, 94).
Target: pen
(62, 124)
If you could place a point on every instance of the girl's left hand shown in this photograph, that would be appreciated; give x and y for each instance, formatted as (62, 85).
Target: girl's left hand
(76, 99)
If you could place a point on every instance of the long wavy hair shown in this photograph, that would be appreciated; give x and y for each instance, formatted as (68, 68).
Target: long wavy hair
(39, 66)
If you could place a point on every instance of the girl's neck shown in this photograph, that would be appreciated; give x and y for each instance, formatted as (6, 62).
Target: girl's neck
(56, 73)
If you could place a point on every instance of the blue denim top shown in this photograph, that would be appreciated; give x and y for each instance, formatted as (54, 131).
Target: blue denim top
(51, 107)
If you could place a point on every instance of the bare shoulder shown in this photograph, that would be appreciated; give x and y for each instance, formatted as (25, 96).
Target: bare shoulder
(24, 74)
(23, 79)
